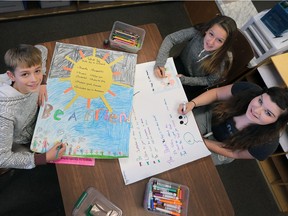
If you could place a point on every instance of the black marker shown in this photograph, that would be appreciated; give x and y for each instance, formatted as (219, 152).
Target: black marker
(160, 71)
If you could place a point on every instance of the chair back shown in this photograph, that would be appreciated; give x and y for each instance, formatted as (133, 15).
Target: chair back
(242, 54)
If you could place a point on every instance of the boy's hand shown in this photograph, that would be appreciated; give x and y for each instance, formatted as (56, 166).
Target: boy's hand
(56, 152)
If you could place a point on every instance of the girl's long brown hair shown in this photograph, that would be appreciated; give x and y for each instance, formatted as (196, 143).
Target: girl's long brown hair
(212, 63)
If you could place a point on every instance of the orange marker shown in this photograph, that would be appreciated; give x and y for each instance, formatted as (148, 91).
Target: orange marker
(176, 202)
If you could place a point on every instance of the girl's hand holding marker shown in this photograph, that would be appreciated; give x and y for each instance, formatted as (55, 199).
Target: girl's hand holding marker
(184, 108)
(160, 72)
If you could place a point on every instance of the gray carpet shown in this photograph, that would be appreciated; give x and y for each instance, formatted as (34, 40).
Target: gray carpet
(23, 192)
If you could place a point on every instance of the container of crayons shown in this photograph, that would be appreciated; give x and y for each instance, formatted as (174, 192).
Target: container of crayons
(166, 198)
(126, 37)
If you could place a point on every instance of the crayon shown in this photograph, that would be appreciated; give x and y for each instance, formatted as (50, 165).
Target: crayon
(125, 36)
(121, 31)
(123, 42)
(128, 41)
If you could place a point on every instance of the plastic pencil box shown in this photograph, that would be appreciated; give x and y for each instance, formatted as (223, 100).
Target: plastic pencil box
(166, 198)
(93, 203)
(126, 37)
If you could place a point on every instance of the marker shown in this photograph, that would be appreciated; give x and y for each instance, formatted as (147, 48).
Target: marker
(106, 43)
(151, 204)
(208, 134)
(150, 197)
(161, 71)
(284, 40)
(162, 188)
(180, 194)
(167, 211)
(81, 199)
(184, 107)
(167, 205)
(165, 192)
(164, 185)
(168, 200)
(58, 149)
(158, 195)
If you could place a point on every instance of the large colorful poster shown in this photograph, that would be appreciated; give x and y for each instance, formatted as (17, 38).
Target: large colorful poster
(161, 139)
(89, 103)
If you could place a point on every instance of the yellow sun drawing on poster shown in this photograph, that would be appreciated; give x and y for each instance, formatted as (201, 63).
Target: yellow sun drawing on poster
(91, 77)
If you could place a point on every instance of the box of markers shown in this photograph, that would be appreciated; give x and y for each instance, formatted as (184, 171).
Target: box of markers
(166, 198)
(126, 37)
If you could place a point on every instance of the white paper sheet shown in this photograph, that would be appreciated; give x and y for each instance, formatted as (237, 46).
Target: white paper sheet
(160, 138)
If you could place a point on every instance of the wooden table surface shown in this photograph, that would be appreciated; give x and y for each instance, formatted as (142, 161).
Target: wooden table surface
(207, 193)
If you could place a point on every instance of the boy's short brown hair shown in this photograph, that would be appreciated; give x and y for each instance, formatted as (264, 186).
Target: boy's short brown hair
(24, 56)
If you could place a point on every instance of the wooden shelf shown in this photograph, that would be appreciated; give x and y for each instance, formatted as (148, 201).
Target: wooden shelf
(33, 8)
(274, 170)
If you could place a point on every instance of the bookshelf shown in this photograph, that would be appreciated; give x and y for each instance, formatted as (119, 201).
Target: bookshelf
(264, 43)
(34, 8)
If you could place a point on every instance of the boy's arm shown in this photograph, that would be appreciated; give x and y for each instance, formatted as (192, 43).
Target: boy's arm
(43, 91)
(44, 80)
(43, 96)
(8, 158)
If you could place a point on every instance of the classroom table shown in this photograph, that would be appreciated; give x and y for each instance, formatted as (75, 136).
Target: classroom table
(207, 193)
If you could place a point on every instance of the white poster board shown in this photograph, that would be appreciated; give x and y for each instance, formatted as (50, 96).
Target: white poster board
(160, 138)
